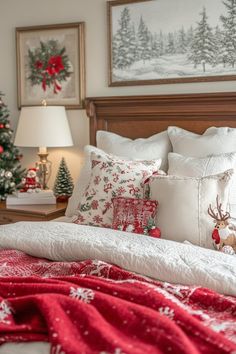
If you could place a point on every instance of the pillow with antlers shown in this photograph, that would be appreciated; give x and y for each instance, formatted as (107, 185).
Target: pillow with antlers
(185, 204)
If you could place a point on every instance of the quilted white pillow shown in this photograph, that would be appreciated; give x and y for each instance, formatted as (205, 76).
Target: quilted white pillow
(152, 148)
(82, 181)
(213, 141)
(180, 165)
(183, 205)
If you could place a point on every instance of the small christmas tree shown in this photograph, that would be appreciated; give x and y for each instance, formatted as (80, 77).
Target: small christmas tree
(63, 186)
(11, 172)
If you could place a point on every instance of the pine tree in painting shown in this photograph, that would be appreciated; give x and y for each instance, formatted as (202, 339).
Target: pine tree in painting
(170, 44)
(133, 45)
(155, 46)
(203, 46)
(229, 32)
(181, 42)
(161, 43)
(11, 172)
(220, 56)
(63, 186)
(144, 43)
(189, 38)
(115, 41)
(123, 42)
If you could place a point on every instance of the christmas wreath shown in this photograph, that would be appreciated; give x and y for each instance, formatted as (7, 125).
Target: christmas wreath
(49, 65)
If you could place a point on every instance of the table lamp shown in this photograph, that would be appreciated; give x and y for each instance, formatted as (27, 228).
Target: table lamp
(43, 126)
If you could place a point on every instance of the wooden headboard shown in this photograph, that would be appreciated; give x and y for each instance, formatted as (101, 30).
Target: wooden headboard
(142, 116)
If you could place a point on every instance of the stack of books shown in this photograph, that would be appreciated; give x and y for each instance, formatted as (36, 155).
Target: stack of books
(24, 198)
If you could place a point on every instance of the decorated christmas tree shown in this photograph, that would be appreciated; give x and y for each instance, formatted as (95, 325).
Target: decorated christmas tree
(11, 172)
(63, 186)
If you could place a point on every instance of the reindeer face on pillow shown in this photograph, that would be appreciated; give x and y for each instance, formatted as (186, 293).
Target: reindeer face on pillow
(223, 235)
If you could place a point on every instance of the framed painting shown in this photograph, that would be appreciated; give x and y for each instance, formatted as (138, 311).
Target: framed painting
(51, 65)
(165, 41)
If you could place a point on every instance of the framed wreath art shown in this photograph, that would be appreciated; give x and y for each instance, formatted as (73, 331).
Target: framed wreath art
(51, 65)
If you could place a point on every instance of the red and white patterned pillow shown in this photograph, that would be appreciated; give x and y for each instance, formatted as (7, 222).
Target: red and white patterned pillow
(134, 215)
(112, 177)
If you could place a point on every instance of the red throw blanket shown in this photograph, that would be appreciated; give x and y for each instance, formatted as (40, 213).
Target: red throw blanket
(94, 307)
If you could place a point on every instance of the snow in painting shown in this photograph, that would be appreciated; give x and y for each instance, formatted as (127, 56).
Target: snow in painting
(164, 39)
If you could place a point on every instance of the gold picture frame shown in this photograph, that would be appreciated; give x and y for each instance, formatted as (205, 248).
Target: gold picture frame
(51, 65)
(154, 42)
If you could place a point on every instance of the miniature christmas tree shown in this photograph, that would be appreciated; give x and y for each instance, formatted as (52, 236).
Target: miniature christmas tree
(63, 186)
(11, 172)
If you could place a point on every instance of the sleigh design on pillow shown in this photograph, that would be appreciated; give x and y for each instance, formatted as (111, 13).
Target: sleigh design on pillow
(224, 233)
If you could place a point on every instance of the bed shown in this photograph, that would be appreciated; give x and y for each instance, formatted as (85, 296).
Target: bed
(67, 288)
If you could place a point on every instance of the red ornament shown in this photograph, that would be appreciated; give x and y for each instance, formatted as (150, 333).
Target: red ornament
(1, 126)
(155, 232)
(1, 149)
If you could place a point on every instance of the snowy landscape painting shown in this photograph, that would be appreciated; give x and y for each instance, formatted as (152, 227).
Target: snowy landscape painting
(166, 41)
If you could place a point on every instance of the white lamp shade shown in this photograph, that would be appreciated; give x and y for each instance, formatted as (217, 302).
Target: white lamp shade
(44, 126)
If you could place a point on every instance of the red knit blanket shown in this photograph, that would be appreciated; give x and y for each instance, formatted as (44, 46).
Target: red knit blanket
(94, 307)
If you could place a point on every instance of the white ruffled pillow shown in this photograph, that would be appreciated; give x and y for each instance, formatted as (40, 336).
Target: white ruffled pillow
(155, 147)
(183, 205)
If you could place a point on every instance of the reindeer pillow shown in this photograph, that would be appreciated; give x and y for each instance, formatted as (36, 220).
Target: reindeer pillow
(184, 203)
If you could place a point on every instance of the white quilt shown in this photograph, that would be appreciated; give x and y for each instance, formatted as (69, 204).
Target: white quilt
(157, 258)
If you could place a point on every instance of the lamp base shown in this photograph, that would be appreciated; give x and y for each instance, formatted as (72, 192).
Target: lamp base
(44, 167)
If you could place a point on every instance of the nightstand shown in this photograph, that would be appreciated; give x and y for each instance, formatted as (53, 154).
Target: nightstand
(14, 213)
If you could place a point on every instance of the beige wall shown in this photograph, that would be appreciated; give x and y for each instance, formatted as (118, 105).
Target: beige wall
(18, 13)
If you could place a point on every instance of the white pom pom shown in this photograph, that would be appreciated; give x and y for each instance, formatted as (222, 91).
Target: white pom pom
(228, 250)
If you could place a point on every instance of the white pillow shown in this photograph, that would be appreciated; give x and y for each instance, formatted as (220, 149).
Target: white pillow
(183, 205)
(152, 148)
(205, 166)
(219, 130)
(82, 181)
(212, 142)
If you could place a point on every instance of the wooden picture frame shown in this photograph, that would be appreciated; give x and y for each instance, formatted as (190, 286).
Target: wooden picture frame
(158, 42)
(51, 65)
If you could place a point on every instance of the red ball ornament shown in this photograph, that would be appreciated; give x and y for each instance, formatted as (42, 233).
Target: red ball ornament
(1, 149)
(155, 232)
(1, 126)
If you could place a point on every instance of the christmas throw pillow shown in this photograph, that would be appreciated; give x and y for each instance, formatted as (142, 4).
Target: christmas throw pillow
(135, 215)
(112, 177)
(185, 203)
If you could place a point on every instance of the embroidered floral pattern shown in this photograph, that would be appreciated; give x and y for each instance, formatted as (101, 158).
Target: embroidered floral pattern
(112, 177)
(134, 215)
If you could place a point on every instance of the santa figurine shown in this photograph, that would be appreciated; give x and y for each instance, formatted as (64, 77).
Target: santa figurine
(31, 182)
